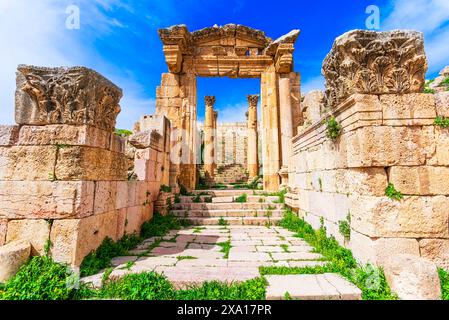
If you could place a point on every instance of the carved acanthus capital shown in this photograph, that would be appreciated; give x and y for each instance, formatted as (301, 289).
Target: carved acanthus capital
(253, 99)
(210, 101)
(284, 58)
(372, 62)
(74, 96)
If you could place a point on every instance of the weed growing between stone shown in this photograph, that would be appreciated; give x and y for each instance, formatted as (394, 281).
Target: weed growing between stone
(444, 279)
(225, 248)
(100, 259)
(333, 128)
(442, 122)
(369, 279)
(392, 193)
(242, 199)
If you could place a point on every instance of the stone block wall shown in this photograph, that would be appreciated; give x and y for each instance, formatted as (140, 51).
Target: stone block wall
(63, 170)
(387, 138)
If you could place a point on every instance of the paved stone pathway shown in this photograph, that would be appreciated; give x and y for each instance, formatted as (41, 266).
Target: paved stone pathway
(193, 255)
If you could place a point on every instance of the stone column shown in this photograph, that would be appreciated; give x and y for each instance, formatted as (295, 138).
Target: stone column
(209, 137)
(270, 131)
(286, 121)
(215, 140)
(253, 146)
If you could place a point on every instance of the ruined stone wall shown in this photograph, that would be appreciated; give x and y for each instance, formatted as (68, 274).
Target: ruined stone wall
(386, 138)
(63, 170)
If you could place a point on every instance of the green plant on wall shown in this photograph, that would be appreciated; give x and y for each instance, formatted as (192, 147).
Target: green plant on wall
(344, 226)
(333, 128)
(392, 193)
(442, 122)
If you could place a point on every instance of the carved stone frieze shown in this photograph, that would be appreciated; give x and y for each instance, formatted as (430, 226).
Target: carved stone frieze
(66, 96)
(372, 62)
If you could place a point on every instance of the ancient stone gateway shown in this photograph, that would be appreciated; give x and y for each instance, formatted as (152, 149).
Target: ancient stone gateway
(232, 51)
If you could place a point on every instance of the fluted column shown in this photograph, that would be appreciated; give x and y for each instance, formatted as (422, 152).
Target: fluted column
(286, 121)
(215, 142)
(209, 152)
(253, 145)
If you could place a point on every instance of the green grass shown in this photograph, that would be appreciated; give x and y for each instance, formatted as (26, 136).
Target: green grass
(165, 188)
(285, 247)
(225, 248)
(369, 279)
(333, 128)
(242, 199)
(444, 279)
(392, 193)
(186, 258)
(101, 258)
(222, 222)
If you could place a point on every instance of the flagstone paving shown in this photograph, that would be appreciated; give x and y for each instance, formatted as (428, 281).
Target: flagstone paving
(193, 255)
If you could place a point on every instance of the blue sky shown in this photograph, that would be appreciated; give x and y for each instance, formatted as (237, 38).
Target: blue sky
(119, 39)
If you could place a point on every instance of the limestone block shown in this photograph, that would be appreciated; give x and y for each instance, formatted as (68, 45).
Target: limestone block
(62, 134)
(412, 217)
(442, 103)
(12, 257)
(27, 163)
(90, 164)
(387, 146)
(376, 250)
(46, 199)
(3, 230)
(170, 79)
(121, 223)
(73, 239)
(133, 220)
(121, 195)
(142, 193)
(441, 156)
(435, 250)
(8, 135)
(424, 180)
(412, 277)
(118, 143)
(131, 194)
(167, 92)
(36, 232)
(105, 196)
(76, 96)
(364, 181)
(408, 109)
(312, 106)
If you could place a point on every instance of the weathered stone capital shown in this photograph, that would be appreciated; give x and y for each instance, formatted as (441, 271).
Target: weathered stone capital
(210, 101)
(76, 96)
(371, 62)
(253, 99)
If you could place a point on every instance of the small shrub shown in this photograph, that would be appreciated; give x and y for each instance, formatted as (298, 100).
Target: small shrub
(222, 222)
(177, 198)
(165, 188)
(41, 279)
(242, 199)
(183, 191)
(444, 279)
(392, 193)
(344, 226)
(208, 200)
(442, 122)
(197, 199)
(123, 132)
(333, 128)
(427, 88)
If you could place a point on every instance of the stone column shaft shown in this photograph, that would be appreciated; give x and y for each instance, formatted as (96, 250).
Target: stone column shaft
(286, 122)
(253, 145)
(209, 137)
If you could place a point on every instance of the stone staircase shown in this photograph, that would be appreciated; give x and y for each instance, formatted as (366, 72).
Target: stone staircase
(215, 207)
(227, 174)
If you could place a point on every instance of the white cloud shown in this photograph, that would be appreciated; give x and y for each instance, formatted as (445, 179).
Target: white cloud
(430, 17)
(316, 83)
(233, 113)
(34, 32)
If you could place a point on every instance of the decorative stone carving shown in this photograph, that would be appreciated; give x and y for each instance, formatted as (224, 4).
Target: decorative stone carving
(66, 96)
(373, 62)
(253, 99)
(210, 100)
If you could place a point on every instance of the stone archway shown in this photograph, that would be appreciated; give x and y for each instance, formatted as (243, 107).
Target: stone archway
(234, 51)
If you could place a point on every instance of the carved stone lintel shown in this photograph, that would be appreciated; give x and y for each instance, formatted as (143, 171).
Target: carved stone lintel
(371, 62)
(76, 96)
(284, 58)
(173, 57)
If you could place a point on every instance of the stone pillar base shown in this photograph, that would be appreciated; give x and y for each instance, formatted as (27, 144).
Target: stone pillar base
(271, 182)
(283, 173)
(253, 171)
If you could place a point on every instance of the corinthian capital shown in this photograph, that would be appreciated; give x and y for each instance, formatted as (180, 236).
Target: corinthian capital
(210, 100)
(253, 99)
(371, 62)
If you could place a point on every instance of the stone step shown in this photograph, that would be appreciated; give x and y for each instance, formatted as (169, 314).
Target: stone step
(259, 221)
(228, 206)
(228, 213)
(328, 286)
(227, 192)
(258, 199)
